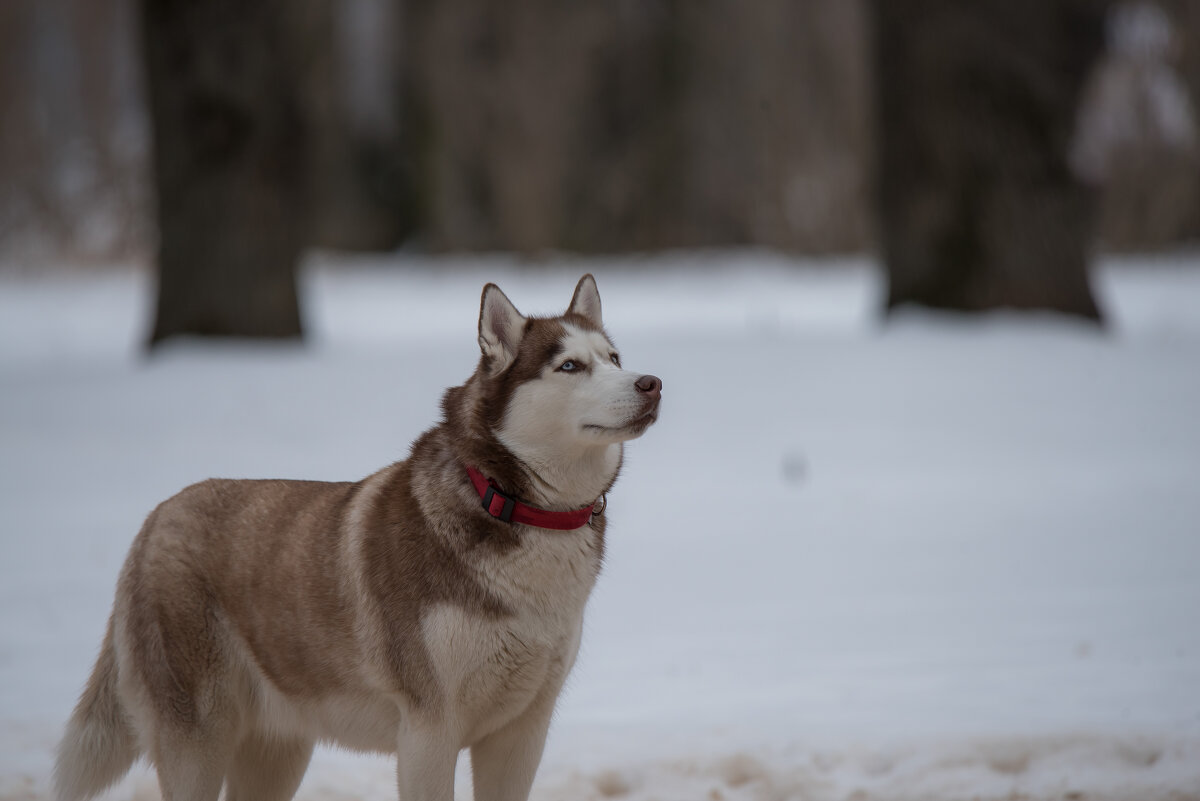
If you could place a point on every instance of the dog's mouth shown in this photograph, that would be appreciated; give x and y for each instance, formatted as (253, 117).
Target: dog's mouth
(635, 426)
(643, 422)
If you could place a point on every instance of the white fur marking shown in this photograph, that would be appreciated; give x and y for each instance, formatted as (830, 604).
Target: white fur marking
(569, 427)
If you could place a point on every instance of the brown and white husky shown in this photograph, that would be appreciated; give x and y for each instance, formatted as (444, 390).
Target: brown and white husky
(433, 606)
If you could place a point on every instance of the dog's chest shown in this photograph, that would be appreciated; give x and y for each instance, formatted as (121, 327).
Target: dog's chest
(492, 667)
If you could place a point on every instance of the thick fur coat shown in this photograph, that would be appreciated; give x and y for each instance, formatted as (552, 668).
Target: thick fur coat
(254, 619)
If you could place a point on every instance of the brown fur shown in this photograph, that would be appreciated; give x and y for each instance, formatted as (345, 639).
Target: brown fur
(255, 617)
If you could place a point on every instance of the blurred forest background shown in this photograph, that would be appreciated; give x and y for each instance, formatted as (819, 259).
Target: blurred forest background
(984, 149)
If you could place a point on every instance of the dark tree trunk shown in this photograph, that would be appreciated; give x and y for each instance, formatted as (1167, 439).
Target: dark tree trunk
(230, 151)
(635, 125)
(360, 182)
(975, 108)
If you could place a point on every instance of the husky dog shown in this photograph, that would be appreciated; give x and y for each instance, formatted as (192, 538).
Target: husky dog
(434, 606)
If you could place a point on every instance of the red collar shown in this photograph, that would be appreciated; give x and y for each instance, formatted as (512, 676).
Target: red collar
(510, 510)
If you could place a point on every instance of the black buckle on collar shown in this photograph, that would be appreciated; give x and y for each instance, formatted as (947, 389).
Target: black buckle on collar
(506, 510)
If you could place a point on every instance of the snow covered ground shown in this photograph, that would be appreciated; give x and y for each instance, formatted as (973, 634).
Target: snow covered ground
(936, 559)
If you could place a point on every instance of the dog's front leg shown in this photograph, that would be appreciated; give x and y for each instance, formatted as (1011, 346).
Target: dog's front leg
(504, 762)
(425, 760)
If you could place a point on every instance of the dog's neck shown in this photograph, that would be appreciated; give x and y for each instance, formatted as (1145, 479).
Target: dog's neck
(551, 479)
(570, 481)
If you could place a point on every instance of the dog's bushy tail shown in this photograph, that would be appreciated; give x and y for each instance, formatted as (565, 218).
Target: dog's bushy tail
(100, 745)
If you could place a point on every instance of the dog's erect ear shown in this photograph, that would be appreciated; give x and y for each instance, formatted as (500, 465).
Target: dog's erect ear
(586, 300)
(501, 327)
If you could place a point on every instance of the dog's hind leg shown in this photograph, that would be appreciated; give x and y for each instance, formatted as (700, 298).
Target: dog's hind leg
(191, 769)
(267, 769)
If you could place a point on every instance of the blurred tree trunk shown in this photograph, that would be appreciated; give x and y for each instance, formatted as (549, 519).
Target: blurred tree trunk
(230, 156)
(1185, 49)
(494, 99)
(361, 196)
(28, 200)
(637, 124)
(776, 116)
(975, 110)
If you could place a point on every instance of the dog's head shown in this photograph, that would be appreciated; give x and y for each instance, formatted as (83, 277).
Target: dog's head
(558, 382)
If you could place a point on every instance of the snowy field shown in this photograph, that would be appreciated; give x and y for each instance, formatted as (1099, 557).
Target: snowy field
(935, 560)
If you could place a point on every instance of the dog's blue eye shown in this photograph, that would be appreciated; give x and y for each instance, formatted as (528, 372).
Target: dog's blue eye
(568, 366)
(616, 360)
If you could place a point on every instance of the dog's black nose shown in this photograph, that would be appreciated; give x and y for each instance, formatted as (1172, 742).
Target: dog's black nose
(650, 384)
